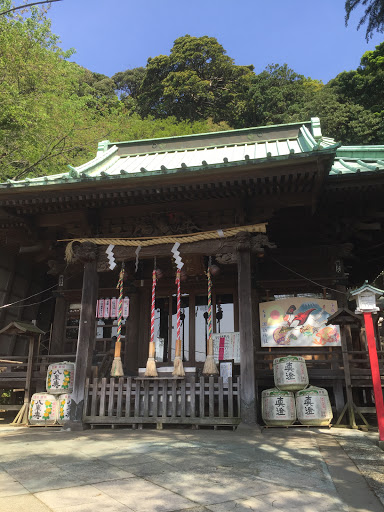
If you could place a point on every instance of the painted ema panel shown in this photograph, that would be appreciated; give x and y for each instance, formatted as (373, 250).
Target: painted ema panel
(298, 322)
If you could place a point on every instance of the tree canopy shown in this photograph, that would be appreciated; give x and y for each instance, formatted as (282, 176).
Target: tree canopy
(373, 15)
(53, 112)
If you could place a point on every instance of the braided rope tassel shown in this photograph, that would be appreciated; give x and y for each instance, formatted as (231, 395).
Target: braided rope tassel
(117, 367)
(151, 370)
(178, 370)
(210, 367)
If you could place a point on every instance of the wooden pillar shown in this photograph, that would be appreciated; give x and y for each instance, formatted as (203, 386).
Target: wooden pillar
(86, 253)
(28, 380)
(131, 353)
(346, 339)
(58, 326)
(145, 325)
(247, 364)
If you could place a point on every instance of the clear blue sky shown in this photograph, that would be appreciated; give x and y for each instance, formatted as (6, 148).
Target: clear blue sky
(308, 35)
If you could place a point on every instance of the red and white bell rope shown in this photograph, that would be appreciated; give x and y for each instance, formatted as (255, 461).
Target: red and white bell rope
(178, 330)
(150, 370)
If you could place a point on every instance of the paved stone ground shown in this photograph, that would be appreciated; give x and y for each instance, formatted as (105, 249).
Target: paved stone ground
(177, 470)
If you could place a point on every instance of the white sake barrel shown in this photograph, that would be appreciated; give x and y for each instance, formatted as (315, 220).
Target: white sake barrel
(60, 378)
(313, 407)
(290, 373)
(278, 407)
(63, 408)
(42, 409)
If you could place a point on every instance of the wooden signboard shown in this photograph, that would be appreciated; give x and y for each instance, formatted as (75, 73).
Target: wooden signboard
(226, 370)
(226, 345)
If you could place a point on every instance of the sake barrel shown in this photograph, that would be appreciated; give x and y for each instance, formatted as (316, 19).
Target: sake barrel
(290, 373)
(278, 407)
(42, 409)
(60, 378)
(63, 408)
(313, 407)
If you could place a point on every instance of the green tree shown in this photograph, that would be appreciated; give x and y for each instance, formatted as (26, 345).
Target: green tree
(276, 95)
(43, 121)
(128, 82)
(196, 81)
(364, 85)
(373, 15)
(345, 121)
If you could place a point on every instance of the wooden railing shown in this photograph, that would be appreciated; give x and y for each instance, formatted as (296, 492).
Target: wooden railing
(360, 368)
(204, 401)
(15, 374)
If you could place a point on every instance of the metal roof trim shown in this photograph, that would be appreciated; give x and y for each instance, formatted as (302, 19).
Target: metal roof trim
(231, 132)
(101, 157)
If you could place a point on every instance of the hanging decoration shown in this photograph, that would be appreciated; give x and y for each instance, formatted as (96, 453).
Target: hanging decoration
(148, 242)
(125, 308)
(178, 370)
(210, 367)
(107, 308)
(151, 370)
(114, 305)
(176, 256)
(117, 367)
(100, 311)
(137, 258)
(111, 257)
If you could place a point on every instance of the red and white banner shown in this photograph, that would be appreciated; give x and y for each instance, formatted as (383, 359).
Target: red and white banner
(113, 307)
(125, 307)
(100, 312)
(107, 307)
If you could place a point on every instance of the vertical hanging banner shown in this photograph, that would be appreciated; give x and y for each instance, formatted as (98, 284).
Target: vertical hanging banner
(107, 307)
(125, 307)
(100, 313)
(113, 307)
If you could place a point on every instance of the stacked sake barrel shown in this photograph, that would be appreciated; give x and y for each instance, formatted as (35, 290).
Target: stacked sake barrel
(54, 406)
(280, 407)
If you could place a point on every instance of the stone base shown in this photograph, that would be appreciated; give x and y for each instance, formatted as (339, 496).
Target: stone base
(381, 444)
(76, 426)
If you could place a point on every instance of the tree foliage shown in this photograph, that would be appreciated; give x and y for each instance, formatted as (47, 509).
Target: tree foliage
(53, 112)
(196, 81)
(373, 15)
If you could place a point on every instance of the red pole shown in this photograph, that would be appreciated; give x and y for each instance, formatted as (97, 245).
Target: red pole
(376, 379)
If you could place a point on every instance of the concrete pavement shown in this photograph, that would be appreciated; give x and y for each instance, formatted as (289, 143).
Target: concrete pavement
(126, 470)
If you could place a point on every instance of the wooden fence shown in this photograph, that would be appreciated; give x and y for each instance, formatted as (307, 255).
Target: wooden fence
(135, 401)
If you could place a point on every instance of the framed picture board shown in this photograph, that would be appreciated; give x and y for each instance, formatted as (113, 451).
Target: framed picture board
(298, 322)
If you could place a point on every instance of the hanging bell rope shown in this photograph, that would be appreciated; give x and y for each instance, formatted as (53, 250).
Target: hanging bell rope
(210, 367)
(178, 370)
(147, 242)
(150, 370)
(117, 367)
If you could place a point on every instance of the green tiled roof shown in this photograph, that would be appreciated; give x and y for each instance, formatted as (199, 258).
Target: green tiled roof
(356, 159)
(198, 152)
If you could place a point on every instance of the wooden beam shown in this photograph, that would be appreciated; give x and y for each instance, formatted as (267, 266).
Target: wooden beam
(205, 248)
(247, 363)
